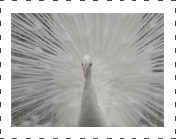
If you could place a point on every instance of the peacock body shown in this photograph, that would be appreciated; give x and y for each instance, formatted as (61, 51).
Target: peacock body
(127, 72)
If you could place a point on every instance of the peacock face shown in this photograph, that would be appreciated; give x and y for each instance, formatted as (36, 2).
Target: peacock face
(86, 65)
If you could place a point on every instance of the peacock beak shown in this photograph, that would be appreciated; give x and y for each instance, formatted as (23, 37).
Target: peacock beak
(85, 69)
(85, 73)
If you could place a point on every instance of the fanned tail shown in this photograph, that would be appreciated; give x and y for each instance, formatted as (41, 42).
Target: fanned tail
(127, 51)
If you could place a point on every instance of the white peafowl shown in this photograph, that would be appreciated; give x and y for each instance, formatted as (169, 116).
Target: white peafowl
(87, 70)
(91, 114)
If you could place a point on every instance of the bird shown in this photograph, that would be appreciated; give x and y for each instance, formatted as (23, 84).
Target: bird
(91, 114)
(87, 69)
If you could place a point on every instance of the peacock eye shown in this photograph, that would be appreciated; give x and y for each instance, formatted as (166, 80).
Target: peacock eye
(90, 64)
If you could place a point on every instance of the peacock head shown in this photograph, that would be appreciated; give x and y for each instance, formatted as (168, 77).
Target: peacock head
(86, 65)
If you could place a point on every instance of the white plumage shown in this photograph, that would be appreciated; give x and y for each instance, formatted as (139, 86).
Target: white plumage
(90, 113)
(126, 62)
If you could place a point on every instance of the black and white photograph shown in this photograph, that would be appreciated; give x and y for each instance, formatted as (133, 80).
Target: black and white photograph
(87, 70)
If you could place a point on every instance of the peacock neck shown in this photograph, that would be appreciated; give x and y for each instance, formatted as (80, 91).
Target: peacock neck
(90, 114)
